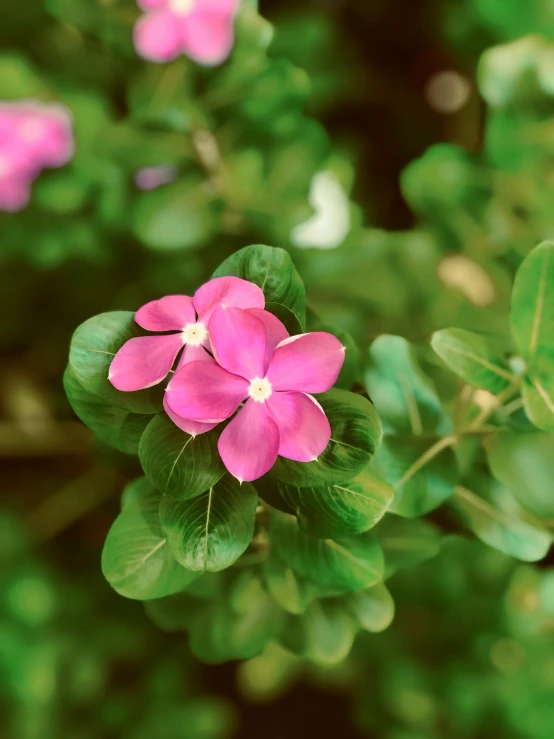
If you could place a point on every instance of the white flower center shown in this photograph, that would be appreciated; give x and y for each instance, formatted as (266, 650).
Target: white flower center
(31, 130)
(182, 7)
(260, 389)
(194, 334)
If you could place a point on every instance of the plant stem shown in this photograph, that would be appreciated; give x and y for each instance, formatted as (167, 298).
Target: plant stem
(426, 457)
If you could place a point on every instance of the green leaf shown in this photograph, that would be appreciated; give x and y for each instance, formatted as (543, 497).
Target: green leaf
(373, 608)
(291, 591)
(272, 269)
(219, 634)
(524, 463)
(329, 632)
(532, 311)
(405, 542)
(174, 612)
(343, 564)
(136, 560)
(421, 483)
(404, 397)
(178, 216)
(344, 509)
(497, 519)
(355, 435)
(211, 531)
(538, 396)
(134, 491)
(469, 355)
(177, 463)
(93, 347)
(114, 426)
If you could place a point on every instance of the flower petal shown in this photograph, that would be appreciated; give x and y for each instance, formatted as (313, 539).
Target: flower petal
(208, 37)
(275, 331)
(303, 426)
(144, 361)
(191, 427)
(238, 342)
(158, 37)
(249, 444)
(194, 354)
(227, 291)
(152, 4)
(171, 313)
(309, 363)
(204, 391)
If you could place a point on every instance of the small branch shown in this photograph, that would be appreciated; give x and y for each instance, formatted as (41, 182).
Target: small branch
(426, 457)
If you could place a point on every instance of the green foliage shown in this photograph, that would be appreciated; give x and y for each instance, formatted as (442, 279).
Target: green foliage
(177, 463)
(136, 559)
(469, 356)
(355, 435)
(210, 531)
(272, 270)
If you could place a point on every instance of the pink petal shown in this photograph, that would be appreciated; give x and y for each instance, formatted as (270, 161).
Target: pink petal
(158, 36)
(208, 37)
(171, 313)
(144, 361)
(204, 391)
(275, 331)
(50, 133)
(219, 6)
(310, 363)
(191, 427)
(238, 342)
(194, 354)
(15, 193)
(227, 291)
(249, 444)
(303, 426)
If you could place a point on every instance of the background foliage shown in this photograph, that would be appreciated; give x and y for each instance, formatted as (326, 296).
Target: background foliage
(417, 221)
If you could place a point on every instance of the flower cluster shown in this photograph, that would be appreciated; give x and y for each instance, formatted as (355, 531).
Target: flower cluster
(33, 136)
(200, 29)
(233, 354)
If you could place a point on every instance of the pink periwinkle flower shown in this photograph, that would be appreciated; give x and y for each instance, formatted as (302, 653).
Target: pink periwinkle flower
(256, 361)
(150, 178)
(200, 29)
(146, 360)
(33, 136)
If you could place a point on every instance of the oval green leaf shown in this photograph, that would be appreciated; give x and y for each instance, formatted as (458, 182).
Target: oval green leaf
(271, 269)
(117, 427)
(355, 435)
(93, 347)
(372, 608)
(469, 355)
(177, 463)
(136, 560)
(345, 564)
(420, 483)
(532, 310)
(212, 530)
(499, 521)
(405, 398)
(344, 509)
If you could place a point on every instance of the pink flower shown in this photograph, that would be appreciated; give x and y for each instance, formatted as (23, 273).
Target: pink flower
(201, 29)
(256, 361)
(150, 178)
(32, 136)
(146, 360)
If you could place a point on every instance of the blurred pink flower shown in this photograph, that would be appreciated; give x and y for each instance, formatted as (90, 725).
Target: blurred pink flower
(150, 178)
(33, 136)
(256, 361)
(200, 29)
(146, 360)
